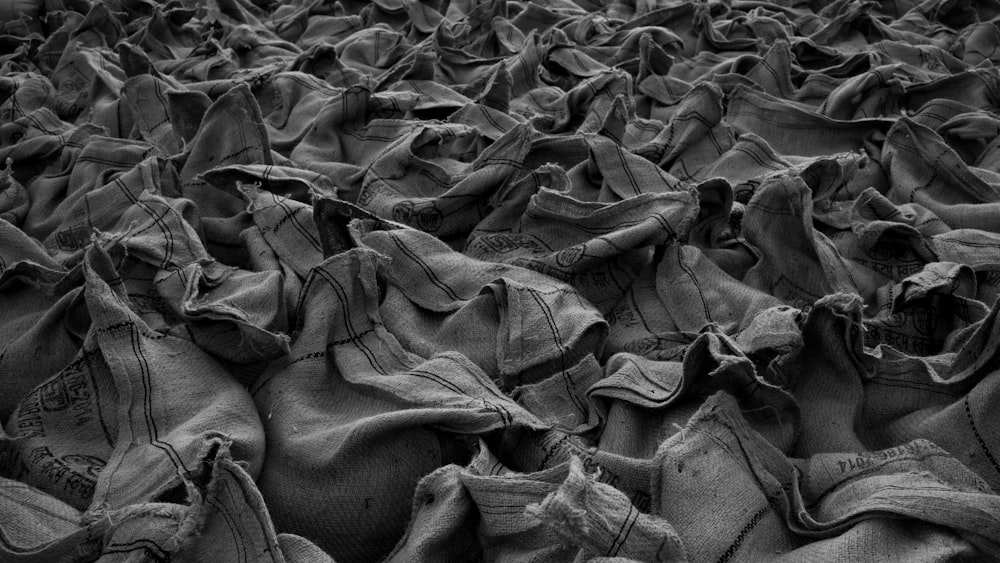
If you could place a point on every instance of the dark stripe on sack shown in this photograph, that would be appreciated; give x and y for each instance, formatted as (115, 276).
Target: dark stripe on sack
(742, 536)
(979, 437)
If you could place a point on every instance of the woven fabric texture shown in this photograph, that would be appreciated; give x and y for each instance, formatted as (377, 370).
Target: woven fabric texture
(499, 280)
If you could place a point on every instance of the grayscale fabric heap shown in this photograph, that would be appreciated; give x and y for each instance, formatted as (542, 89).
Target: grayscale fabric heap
(499, 280)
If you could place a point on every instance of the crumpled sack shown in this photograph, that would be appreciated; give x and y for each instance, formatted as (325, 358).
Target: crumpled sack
(528, 281)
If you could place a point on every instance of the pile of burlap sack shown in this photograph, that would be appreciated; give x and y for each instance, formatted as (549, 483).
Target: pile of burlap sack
(503, 280)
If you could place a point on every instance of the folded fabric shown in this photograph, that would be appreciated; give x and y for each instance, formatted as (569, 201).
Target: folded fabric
(557, 280)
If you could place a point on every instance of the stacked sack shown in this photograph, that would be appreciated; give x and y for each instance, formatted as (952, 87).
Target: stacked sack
(557, 280)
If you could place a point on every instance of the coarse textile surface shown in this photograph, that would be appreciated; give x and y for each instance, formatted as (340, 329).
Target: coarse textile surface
(500, 280)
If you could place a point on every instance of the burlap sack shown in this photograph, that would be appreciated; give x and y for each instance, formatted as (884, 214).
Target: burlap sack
(745, 165)
(679, 19)
(349, 132)
(286, 225)
(882, 242)
(798, 264)
(958, 414)
(231, 132)
(14, 200)
(85, 76)
(109, 195)
(495, 315)
(694, 137)
(641, 402)
(519, 326)
(581, 103)
(772, 72)
(43, 144)
(971, 87)
(877, 92)
(229, 14)
(914, 157)
(827, 379)
(689, 286)
(37, 527)
(844, 187)
(490, 122)
(645, 400)
(146, 98)
(439, 177)
(309, 26)
(561, 400)
(976, 248)
(235, 314)
(971, 135)
(925, 55)
(640, 324)
(162, 162)
(26, 92)
(289, 102)
(47, 162)
(600, 249)
(40, 301)
(281, 180)
(321, 60)
(213, 512)
(256, 46)
(787, 127)
(718, 470)
(696, 291)
(979, 42)
(116, 424)
(487, 512)
(922, 314)
(220, 515)
(354, 420)
(433, 99)
(165, 35)
(884, 398)
(612, 173)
